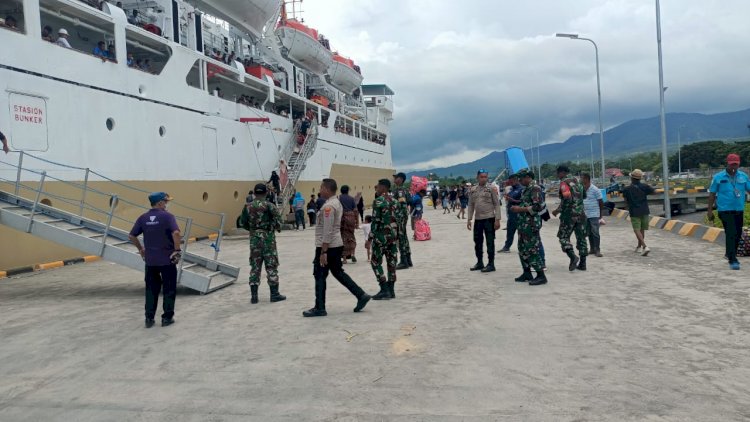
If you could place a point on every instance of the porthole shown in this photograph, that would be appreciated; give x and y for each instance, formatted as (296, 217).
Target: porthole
(205, 196)
(258, 144)
(234, 140)
(110, 124)
(162, 131)
(236, 194)
(46, 202)
(141, 89)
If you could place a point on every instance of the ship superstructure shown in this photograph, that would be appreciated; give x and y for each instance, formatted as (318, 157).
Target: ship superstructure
(201, 99)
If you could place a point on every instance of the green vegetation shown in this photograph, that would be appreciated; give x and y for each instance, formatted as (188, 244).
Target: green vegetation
(697, 156)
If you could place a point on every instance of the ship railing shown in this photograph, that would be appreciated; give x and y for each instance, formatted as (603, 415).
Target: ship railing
(80, 197)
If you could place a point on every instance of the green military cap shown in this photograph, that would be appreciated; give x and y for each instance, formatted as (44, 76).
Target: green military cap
(525, 172)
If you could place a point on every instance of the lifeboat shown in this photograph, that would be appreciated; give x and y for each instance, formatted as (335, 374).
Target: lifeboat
(303, 45)
(250, 15)
(345, 75)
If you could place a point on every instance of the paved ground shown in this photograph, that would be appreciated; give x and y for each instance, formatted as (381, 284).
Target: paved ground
(657, 338)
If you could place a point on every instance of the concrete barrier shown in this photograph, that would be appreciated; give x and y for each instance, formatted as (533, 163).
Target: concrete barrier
(694, 230)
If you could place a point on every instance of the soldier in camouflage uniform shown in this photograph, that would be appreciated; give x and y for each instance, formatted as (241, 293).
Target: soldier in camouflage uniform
(572, 218)
(402, 196)
(528, 225)
(384, 238)
(261, 218)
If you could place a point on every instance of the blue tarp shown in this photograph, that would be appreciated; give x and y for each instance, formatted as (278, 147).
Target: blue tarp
(515, 160)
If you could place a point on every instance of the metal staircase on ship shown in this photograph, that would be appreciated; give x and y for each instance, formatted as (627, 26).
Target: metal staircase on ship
(296, 157)
(79, 224)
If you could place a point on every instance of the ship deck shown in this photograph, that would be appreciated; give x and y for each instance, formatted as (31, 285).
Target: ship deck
(663, 338)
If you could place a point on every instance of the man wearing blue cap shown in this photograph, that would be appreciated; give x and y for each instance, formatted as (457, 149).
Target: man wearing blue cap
(161, 252)
(485, 205)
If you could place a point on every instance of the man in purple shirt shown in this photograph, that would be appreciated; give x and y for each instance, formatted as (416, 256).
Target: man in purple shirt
(161, 237)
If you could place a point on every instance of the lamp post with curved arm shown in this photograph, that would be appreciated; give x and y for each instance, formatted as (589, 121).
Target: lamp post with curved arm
(598, 91)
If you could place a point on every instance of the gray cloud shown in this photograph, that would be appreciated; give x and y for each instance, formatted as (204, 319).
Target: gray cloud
(466, 74)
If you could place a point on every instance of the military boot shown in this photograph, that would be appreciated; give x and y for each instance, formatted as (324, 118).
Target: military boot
(573, 260)
(253, 293)
(383, 294)
(539, 279)
(408, 260)
(526, 276)
(275, 295)
(489, 268)
(582, 263)
(390, 286)
(404, 264)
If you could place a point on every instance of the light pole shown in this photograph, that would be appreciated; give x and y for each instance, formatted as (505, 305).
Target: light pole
(598, 91)
(679, 149)
(662, 115)
(538, 155)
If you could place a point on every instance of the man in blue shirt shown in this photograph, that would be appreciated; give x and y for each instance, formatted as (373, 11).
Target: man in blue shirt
(100, 50)
(728, 191)
(161, 237)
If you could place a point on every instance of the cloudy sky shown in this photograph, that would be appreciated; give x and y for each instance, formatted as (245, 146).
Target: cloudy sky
(467, 73)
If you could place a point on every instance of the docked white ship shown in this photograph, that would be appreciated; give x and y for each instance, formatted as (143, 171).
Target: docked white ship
(197, 98)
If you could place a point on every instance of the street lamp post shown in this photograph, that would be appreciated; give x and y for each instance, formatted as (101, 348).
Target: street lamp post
(679, 149)
(662, 115)
(538, 154)
(598, 91)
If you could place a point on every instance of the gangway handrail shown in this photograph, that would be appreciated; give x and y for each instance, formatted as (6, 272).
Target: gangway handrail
(176, 203)
(114, 198)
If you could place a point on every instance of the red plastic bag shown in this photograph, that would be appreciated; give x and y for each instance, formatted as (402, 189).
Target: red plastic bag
(417, 184)
(422, 230)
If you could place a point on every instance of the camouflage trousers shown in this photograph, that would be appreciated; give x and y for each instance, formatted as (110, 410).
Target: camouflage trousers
(403, 237)
(390, 250)
(571, 225)
(263, 251)
(529, 249)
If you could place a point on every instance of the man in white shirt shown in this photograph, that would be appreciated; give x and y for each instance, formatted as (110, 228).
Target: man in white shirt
(62, 38)
(329, 248)
(592, 206)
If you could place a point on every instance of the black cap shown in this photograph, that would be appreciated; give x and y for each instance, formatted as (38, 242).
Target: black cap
(563, 169)
(260, 189)
(401, 175)
(385, 182)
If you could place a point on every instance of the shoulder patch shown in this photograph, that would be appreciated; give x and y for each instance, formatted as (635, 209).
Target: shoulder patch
(327, 211)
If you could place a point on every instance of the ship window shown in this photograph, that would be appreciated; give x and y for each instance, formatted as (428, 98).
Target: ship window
(205, 196)
(236, 195)
(147, 51)
(193, 77)
(110, 124)
(162, 131)
(85, 30)
(11, 16)
(234, 140)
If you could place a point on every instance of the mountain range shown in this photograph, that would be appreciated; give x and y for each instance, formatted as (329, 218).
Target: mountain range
(632, 137)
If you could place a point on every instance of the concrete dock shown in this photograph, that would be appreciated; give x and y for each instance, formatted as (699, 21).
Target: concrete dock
(657, 338)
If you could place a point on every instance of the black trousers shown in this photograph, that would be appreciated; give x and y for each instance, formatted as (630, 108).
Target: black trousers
(510, 228)
(485, 228)
(311, 216)
(334, 267)
(161, 279)
(732, 221)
